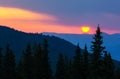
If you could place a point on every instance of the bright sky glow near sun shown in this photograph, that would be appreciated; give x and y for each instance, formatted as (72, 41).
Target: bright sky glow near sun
(85, 29)
(28, 21)
(52, 16)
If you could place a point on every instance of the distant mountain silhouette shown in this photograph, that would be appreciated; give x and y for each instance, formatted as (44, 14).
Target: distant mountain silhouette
(111, 41)
(18, 41)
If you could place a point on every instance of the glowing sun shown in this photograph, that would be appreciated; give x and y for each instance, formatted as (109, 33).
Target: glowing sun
(85, 29)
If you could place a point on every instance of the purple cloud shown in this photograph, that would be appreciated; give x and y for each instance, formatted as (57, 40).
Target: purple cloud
(75, 12)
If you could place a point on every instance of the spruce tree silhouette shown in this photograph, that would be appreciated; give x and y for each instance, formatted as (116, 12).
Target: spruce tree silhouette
(28, 63)
(77, 64)
(37, 61)
(97, 52)
(85, 63)
(9, 65)
(60, 68)
(46, 67)
(108, 66)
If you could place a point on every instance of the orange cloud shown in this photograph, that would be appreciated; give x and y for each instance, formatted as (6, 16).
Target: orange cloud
(29, 21)
(39, 27)
(7, 13)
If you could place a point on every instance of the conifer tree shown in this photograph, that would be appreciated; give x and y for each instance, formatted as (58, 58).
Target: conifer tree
(117, 73)
(77, 64)
(69, 74)
(46, 68)
(9, 65)
(1, 63)
(20, 70)
(38, 62)
(108, 66)
(28, 63)
(97, 52)
(68, 67)
(60, 68)
(85, 63)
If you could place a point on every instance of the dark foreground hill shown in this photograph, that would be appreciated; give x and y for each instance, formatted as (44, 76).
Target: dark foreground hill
(18, 41)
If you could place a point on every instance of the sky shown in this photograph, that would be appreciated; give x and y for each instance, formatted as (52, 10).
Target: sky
(61, 16)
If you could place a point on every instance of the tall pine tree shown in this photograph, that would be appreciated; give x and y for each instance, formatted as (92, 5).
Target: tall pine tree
(20, 70)
(68, 67)
(1, 63)
(69, 72)
(108, 66)
(9, 65)
(85, 63)
(38, 61)
(60, 68)
(77, 64)
(97, 52)
(46, 67)
(117, 73)
(28, 63)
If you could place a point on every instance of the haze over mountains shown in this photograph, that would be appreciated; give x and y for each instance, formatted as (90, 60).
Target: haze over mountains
(111, 41)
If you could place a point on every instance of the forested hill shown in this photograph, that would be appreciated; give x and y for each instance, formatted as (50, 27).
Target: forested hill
(35, 50)
(110, 41)
(18, 41)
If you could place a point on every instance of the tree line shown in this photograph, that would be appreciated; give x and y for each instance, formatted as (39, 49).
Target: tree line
(35, 64)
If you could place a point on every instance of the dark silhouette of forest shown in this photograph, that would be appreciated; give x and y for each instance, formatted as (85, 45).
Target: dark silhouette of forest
(34, 63)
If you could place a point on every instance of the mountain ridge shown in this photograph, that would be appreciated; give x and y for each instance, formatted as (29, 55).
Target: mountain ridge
(82, 39)
(18, 41)
(109, 41)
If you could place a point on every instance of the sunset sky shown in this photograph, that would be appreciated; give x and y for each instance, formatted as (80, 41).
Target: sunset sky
(61, 16)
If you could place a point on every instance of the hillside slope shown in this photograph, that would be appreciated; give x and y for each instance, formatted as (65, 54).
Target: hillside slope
(111, 41)
(18, 41)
